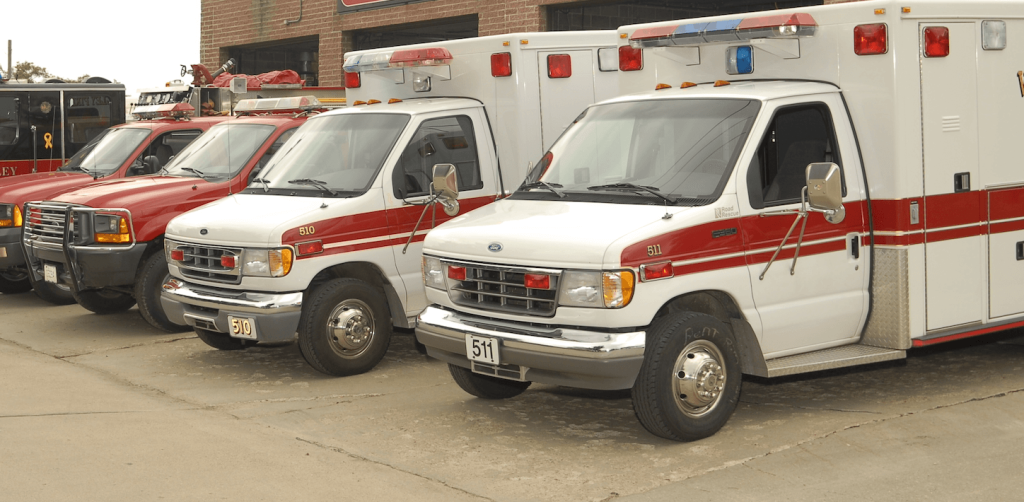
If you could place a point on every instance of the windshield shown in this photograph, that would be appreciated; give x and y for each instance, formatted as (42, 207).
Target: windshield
(107, 152)
(683, 149)
(339, 152)
(220, 152)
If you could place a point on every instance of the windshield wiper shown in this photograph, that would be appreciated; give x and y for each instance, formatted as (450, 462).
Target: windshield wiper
(553, 187)
(266, 188)
(191, 170)
(80, 168)
(316, 183)
(635, 189)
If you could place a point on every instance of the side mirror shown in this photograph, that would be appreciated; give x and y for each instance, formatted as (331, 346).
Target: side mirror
(150, 164)
(825, 190)
(446, 185)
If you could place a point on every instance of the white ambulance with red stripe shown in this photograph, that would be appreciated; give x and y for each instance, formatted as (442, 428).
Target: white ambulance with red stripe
(326, 242)
(806, 189)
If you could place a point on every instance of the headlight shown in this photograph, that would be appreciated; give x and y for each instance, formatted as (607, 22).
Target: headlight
(433, 273)
(7, 215)
(267, 262)
(111, 229)
(596, 289)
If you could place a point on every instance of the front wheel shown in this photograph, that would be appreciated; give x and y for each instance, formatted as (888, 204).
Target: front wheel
(14, 282)
(689, 383)
(486, 387)
(148, 285)
(346, 328)
(104, 301)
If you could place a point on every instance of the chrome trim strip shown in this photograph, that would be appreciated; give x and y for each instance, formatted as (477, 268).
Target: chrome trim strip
(236, 301)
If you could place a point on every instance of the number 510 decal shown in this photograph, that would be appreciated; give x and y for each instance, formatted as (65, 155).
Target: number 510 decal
(307, 230)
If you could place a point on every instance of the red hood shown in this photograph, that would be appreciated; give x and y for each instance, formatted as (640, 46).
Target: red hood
(152, 200)
(39, 186)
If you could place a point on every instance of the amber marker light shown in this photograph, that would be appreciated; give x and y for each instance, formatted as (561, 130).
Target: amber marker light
(879, 12)
(686, 85)
(662, 86)
(721, 83)
(121, 237)
(357, 103)
(394, 100)
(373, 102)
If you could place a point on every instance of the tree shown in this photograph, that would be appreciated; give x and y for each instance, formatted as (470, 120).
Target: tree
(30, 71)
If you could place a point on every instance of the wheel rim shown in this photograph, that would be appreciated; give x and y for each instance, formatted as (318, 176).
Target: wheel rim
(698, 378)
(351, 328)
(14, 276)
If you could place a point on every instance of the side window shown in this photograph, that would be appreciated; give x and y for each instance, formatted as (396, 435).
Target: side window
(162, 148)
(87, 117)
(448, 140)
(797, 136)
(265, 159)
(8, 121)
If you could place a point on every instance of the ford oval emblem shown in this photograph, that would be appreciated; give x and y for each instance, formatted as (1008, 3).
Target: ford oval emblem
(494, 247)
(202, 231)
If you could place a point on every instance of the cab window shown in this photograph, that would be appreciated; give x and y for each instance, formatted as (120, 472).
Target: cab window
(87, 117)
(8, 121)
(448, 140)
(796, 137)
(160, 151)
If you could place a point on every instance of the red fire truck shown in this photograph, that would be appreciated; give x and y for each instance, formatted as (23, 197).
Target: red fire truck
(42, 125)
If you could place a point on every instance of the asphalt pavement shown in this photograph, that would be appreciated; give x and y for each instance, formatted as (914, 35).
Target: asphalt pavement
(107, 408)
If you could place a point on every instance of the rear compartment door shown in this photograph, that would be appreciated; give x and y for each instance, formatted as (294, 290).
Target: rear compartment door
(954, 205)
(562, 98)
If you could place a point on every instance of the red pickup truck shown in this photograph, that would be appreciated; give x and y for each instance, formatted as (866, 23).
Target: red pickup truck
(104, 241)
(122, 151)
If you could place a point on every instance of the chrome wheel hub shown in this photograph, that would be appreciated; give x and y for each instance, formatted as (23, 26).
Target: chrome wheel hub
(350, 327)
(698, 378)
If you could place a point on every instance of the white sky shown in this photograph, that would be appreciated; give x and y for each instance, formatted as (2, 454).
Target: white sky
(139, 43)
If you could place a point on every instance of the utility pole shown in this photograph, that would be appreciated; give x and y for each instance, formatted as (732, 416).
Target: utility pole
(10, 69)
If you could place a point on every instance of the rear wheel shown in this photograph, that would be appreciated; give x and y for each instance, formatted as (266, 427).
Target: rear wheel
(484, 386)
(689, 383)
(346, 329)
(219, 341)
(57, 294)
(14, 281)
(148, 285)
(104, 301)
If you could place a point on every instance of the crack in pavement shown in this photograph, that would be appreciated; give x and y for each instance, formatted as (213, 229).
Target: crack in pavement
(302, 399)
(132, 346)
(799, 444)
(385, 464)
(811, 408)
(33, 415)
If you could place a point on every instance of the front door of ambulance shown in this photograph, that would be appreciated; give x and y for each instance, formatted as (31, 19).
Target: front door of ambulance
(823, 300)
(450, 139)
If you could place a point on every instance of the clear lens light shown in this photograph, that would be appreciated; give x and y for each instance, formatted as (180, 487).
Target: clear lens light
(581, 289)
(433, 273)
(993, 35)
(256, 262)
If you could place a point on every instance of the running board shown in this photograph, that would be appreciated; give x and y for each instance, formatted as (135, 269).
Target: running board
(838, 357)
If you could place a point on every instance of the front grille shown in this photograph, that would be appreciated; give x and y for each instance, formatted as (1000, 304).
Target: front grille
(204, 263)
(44, 224)
(502, 289)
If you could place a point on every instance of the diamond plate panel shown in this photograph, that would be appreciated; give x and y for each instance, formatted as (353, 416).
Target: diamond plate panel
(838, 357)
(889, 325)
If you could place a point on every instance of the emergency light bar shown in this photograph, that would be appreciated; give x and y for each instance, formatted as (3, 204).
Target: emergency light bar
(169, 110)
(292, 104)
(776, 26)
(430, 56)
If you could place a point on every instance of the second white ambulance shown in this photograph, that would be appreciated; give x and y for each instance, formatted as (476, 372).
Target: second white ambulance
(807, 189)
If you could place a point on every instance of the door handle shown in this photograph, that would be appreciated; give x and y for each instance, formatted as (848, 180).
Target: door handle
(855, 247)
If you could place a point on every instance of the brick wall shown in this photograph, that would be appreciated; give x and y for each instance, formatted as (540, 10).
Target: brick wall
(227, 23)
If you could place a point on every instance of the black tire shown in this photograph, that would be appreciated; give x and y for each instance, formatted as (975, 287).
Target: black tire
(345, 327)
(104, 301)
(56, 294)
(219, 341)
(486, 387)
(689, 383)
(148, 284)
(14, 282)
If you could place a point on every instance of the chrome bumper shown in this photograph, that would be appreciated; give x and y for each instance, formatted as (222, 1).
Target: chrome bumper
(560, 356)
(276, 315)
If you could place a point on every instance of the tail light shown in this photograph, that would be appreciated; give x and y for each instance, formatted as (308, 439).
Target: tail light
(352, 80)
(501, 64)
(870, 39)
(936, 42)
(630, 59)
(559, 66)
